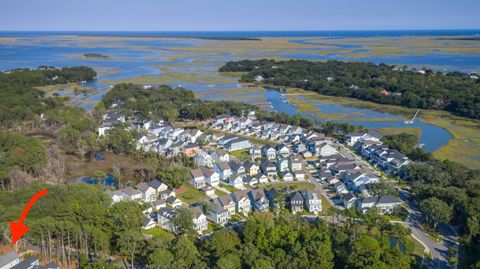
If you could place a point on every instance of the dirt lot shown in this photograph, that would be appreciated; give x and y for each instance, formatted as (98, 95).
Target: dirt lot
(76, 167)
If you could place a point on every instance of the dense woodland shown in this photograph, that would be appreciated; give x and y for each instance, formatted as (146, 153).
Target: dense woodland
(19, 100)
(454, 92)
(450, 193)
(78, 224)
(23, 156)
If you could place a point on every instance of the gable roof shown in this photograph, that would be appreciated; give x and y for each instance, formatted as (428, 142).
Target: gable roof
(131, 191)
(143, 187)
(196, 173)
(296, 196)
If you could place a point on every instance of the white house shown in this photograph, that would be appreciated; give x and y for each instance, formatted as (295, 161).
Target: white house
(200, 223)
(236, 180)
(148, 193)
(117, 196)
(198, 179)
(204, 159)
(282, 165)
(211, 176)
(218, 214)
(220, 156)
(295, 163)
(269, 152)
(148, 224)
(313, 201)
(242, 202)
(132, 194)
(224, 170)
(325, 149)
(282, 150)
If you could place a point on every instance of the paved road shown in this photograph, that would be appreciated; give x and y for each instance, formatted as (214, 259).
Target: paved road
(438, 250)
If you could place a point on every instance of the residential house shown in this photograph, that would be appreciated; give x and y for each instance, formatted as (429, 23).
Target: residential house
(208, 190)
(203, 158)
(191, 150)
(353, 138)
(165, 219)
(163, 144)
(262, 178)
(258, 200)
(166, 193)
(349, 200)
(224, 140)
(313, 201)
(227, 202)
(385, 204)
(148, 224)
(117, 196)
(224, 170)
(282, 150)
(200, 223)
(295, 164)
(148, 193)
(296, 202)
(299, 175)
(158, 186)
(324, 149)
(132, 194)
(198, 178)
(174, 202)
(218, 213)
(268, 168)
(211, 176)
(236, 180)
(237, 167)
(237, 144)
(220, 156)
(255, 152)
(269, 152)
(251, 168)
(249, 180)
(282, 165)
(242, 202)
(161, 203)
(287, 176)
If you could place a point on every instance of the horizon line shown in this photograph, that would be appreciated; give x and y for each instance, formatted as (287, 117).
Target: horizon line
(213, 31)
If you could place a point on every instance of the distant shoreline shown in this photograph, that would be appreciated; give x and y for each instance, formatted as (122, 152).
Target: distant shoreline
(250, 35)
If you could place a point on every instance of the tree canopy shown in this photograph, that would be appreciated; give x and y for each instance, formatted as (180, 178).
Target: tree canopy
(455, 92)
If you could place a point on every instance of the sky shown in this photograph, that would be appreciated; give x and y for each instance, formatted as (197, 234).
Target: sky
(238, 15)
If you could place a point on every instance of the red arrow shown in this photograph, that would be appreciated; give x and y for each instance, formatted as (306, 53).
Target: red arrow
(17, 229)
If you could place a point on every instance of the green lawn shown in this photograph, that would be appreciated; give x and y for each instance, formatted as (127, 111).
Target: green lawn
(242, 154)
(160, 233)
(292, 185)
(219, 192)
(191, 195)
(229, 188)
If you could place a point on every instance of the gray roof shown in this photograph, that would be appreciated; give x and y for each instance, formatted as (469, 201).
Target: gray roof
(296, 196)
(216, 207)
(155, 183)
(131, 191)
(388, 199)
(143, 187)
(196, 173)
